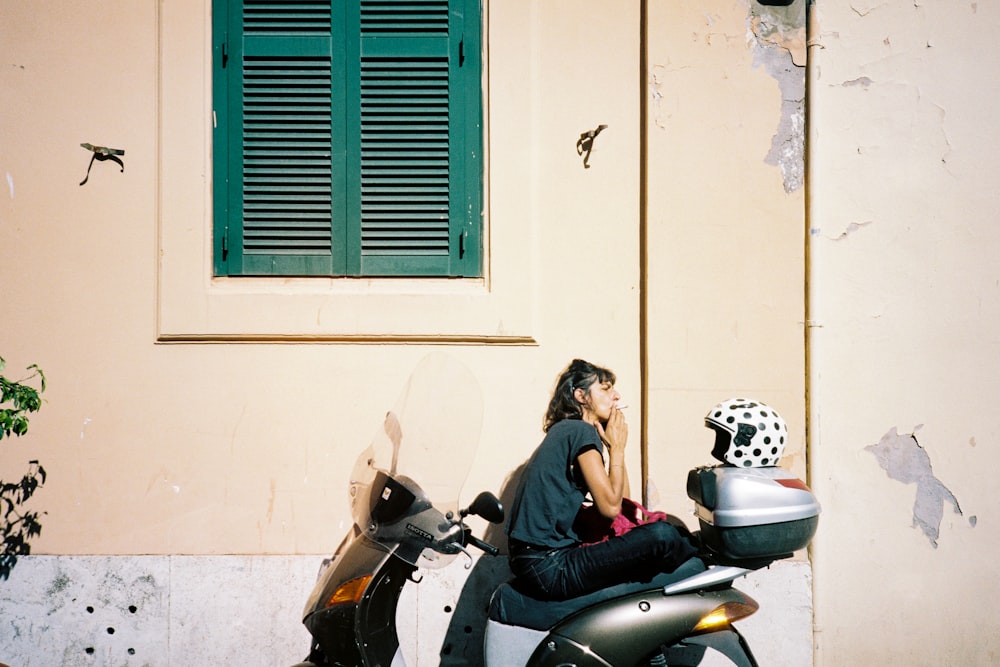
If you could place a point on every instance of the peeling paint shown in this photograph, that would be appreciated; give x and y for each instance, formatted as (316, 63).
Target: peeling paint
(862, 81)
(782, 27)
(656, 77)
(851, 229)
(788, 144)
(778, 36)
(905, 460)
(860, 10)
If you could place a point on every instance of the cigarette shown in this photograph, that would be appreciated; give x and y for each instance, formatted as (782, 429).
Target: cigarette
(621, 407)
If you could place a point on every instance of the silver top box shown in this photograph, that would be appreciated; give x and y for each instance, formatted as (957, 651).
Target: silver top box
(731, 497)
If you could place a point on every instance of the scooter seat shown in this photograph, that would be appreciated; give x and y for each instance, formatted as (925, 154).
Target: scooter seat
(513, 607)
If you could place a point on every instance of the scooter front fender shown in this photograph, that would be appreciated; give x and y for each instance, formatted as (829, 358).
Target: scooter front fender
(361, 631)
(626, 630)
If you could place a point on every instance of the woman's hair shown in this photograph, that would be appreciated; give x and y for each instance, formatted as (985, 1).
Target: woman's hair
(579, 374)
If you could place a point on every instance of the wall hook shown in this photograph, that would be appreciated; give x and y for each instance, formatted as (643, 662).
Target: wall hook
(102, 153)
(586, 143)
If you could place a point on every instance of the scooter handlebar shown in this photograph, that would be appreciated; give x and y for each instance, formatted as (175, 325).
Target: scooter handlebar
(479, 544)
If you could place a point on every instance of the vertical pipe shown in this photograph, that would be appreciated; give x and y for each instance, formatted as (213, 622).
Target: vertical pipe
(813, 316)
(643, 254)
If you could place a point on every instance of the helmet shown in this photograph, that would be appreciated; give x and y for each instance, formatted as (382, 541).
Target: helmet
(748, 433)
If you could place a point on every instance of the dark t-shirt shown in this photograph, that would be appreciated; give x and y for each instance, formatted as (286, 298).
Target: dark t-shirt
(552, 487)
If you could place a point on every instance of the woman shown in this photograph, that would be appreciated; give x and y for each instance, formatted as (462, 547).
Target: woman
(546, 554)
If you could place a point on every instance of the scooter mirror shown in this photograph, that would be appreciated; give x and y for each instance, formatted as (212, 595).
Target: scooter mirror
(487, 506)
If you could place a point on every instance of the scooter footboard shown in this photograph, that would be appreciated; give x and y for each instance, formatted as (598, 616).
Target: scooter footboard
(510, 645)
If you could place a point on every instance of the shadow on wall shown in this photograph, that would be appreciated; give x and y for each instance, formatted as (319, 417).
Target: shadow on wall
(496, 534)
(463, 641)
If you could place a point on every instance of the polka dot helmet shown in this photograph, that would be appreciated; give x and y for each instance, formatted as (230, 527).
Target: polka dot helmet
(748, 433)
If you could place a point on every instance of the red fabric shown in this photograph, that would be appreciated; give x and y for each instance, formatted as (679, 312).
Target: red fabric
(593, 527)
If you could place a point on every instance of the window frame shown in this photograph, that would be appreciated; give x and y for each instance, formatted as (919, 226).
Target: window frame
(193, 306)
(408, 228)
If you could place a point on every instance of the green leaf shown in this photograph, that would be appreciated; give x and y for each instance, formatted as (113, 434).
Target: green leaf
(16, 530)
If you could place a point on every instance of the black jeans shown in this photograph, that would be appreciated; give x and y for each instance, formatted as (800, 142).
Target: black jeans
(637, 556)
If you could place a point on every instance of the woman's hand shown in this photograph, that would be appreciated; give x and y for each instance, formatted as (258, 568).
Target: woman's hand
(615, 433)
(607, 488)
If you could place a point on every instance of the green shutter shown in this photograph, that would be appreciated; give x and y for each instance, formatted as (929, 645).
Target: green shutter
(284, 177)
(365, 164)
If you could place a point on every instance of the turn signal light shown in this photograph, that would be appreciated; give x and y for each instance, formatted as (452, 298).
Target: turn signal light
(349, 591)
(725, 614)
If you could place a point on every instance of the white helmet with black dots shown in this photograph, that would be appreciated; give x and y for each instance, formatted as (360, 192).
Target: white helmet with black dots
(748, 433)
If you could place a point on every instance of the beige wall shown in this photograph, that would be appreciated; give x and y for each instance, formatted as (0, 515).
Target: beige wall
(187, 415)
(726, 268)
(904, 308)
(191, 416)
(158, 443)
(168, 443)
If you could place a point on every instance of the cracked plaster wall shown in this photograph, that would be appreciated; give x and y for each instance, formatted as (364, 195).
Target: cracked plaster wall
(904, 302)
(720, 215)
(779, 37)
(725, 210)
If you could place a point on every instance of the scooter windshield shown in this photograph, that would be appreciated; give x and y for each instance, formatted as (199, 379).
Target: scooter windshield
(411, 475)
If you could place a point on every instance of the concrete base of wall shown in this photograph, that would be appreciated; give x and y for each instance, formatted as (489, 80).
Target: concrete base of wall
(155, 610)
(225, 610)
(781, 632)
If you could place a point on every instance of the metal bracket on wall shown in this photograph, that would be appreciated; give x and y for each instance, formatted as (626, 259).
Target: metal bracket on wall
(102, 153)
(585, 144)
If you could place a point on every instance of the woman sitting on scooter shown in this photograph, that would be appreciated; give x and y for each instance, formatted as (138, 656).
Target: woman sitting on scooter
(547, 556)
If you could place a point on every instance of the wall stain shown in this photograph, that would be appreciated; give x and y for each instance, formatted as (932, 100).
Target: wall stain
(270, 502)
(905, 460)
(58, 585)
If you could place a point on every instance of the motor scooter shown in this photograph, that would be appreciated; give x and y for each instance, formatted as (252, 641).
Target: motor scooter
(404, 491)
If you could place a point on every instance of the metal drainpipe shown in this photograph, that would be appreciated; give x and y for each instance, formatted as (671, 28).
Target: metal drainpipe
(813, 319)
(643, 254)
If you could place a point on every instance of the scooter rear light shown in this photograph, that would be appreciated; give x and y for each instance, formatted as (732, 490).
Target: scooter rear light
(349, 591)
(725, 614)
(793, 483)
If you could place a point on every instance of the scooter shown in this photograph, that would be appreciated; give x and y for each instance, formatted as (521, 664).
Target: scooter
(749, 517)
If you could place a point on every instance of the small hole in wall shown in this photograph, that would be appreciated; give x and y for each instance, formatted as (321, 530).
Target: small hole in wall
(90, 610)
(111, 631)
(131, 651)
(89, 650)
(447, 609)
(132, 609)
(446, 650)
(468, 629)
